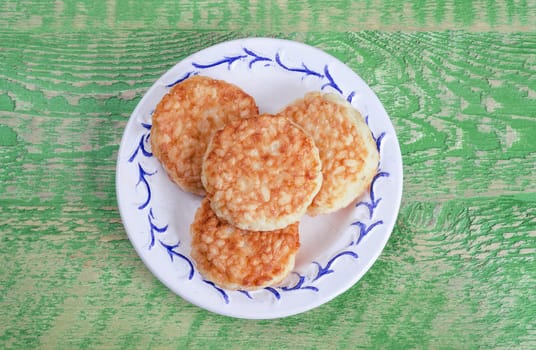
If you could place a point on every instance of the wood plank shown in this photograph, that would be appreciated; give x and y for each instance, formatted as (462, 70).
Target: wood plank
(460, 263)
(452, 115)
(277, 16)
(450, 273)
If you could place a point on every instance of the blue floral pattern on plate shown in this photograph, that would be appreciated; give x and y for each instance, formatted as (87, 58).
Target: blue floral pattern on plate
(142, 165)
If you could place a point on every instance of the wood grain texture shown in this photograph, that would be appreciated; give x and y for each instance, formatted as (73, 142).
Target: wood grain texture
(458, 273)
(281, 16)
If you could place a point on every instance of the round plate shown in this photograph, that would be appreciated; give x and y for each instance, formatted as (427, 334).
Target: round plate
(336, 250)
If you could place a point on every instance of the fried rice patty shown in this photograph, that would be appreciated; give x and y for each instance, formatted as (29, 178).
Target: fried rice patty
(261, 173)
(185, 119)
(347, 150)
(238, 259)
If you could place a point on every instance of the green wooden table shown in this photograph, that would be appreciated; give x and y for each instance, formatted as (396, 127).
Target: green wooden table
(458, 79)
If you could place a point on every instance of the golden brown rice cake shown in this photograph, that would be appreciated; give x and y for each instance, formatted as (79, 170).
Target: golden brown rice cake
(347, 150)
(238, 259)
(185, 119)
(261, 173)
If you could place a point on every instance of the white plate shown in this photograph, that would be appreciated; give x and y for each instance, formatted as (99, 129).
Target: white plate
(336, 250)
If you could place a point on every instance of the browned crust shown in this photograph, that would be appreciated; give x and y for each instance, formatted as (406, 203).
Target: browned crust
(238, 259)
(347, 150)
(186, 118)
(261, 173)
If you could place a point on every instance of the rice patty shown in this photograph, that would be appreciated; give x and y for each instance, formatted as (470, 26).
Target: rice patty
(186, 118)
(347, 150)
(261, 173)
(238, 259)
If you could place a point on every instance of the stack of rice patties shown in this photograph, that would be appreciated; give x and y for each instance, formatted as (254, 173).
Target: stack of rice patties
(183, 126)
(260, 174)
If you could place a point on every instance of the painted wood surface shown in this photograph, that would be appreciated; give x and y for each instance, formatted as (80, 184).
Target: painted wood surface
(459, 271)
(262, 16)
